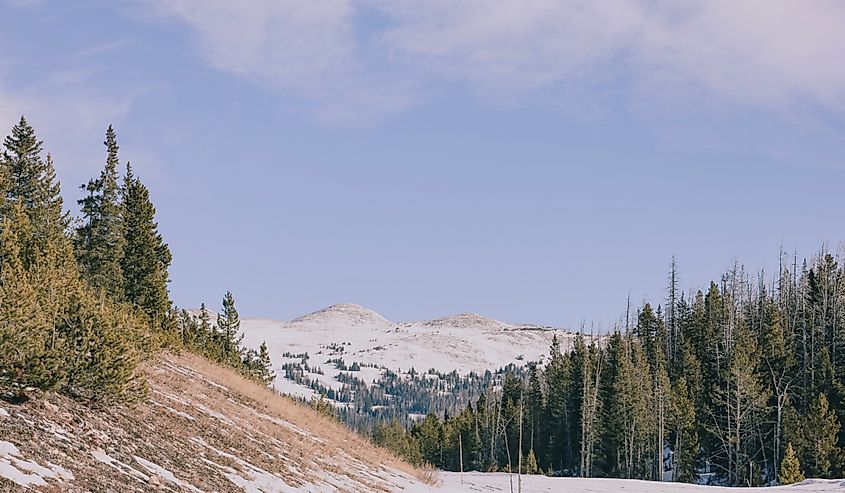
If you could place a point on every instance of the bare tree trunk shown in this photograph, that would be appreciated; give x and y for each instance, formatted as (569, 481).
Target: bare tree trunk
(519, 466)
(461, 453)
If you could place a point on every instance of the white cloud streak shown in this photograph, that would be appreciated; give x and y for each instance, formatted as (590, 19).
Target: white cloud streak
(306, 49)
(771, 54)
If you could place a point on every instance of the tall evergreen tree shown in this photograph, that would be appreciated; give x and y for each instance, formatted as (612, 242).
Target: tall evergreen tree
(99, 241)
(32, 183)
(265, 365)
(534, 405)
(685, 417)
(558, 411)
(816, 439)
(146, 257)
(229, 324)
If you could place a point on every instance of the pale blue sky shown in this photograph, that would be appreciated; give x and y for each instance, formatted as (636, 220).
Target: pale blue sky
(531, 161)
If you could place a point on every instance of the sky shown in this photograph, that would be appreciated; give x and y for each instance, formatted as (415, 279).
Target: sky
(534, 161)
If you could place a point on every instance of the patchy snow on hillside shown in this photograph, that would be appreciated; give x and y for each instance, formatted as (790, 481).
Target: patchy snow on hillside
(465, 343)
(202, 428)
(15, 468)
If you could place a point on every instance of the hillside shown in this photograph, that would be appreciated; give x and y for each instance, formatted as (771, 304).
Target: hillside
(203, 428)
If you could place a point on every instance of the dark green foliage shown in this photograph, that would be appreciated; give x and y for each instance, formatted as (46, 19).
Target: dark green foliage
(229, 325)
(394, 438)
(264, 366)
(80, 315)
(815, 438)
(146, 257)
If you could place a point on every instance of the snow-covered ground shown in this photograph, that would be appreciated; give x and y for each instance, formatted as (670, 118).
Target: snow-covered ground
(501, 482)
(466, 342)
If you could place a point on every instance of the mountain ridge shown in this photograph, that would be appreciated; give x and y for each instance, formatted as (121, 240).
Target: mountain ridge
(354, 314)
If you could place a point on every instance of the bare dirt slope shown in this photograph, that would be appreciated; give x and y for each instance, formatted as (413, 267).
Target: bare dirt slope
(203, 428)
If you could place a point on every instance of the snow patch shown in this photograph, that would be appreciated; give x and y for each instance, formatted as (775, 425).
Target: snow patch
(251, 478)
(27, 473)
(174, 411)
(164, 474)
(123, 467)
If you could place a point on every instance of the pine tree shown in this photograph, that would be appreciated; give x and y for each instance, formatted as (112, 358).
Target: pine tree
(30, 352)
(535, 402)
(429, 434)
(683, 419)
(104, 343)
(68, 336)
(146, 256)
(189, 330)
(790, 468)
(558, 411)
(265, 365)
(229, 324)
(818, 442)
(99, 240)
(739, 403)
(630, 414)
(531, 466)
(207, 337)
(31, 182)
(685, 415)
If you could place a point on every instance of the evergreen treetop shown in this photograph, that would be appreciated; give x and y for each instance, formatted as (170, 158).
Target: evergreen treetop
(99, 240)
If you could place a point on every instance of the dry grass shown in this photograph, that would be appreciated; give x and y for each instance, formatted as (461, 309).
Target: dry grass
(205, 424)
(428, 475)
(272, 403)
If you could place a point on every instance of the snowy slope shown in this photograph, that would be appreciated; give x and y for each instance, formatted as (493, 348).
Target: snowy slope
(466, 342)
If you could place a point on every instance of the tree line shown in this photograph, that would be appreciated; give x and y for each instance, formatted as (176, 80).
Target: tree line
(83, 301)
(741, 383)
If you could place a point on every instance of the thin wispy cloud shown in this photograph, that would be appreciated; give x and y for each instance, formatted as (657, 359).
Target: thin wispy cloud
(308, 50)
(332, 55)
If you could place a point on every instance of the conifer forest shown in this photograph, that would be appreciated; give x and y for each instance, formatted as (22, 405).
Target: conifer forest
(737, 383)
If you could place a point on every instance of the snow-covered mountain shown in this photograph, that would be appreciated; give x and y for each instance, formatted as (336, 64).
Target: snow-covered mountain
(467, 342)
